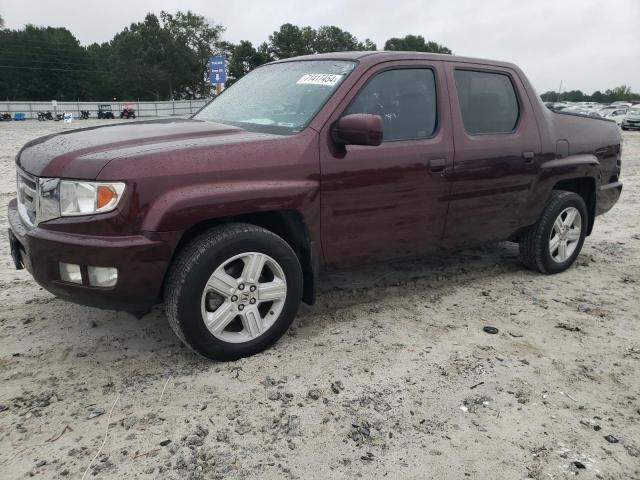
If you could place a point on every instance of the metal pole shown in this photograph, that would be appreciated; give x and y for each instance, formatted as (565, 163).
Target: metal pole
(559, 90)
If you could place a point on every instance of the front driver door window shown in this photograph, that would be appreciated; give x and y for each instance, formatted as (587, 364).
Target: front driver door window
(406, 101)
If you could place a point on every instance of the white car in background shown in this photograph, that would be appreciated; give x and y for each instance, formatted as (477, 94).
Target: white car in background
(632, 119)
(621, 104)
(616, 114)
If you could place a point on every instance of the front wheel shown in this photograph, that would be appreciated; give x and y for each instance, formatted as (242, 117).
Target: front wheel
(555, 241)
(233, 291)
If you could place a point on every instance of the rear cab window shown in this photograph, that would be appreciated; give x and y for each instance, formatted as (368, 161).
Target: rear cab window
(488, 102)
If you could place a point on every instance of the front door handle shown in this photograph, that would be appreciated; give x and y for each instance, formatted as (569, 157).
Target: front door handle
(436, 165)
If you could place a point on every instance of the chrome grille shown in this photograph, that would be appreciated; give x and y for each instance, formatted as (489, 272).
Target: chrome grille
(27, 197)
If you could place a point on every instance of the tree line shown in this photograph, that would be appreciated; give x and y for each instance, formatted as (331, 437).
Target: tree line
(160, 58)
(291, 41)
(165, 57)
(621, 93)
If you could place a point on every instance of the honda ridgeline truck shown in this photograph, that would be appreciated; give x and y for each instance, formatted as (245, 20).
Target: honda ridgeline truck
(323, 161)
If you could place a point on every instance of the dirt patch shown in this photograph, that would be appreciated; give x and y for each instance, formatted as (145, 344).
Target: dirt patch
(391, 374)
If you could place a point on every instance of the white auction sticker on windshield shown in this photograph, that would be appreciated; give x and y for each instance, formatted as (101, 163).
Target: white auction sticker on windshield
(329, 79)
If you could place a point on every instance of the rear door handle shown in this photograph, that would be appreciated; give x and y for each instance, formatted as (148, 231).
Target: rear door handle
(436, 165)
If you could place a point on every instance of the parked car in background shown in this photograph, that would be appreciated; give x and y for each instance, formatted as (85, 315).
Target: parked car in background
(621, 104)
(610, 108)
(309, 163)
(616, 115)
(631, 121)
(588, 105)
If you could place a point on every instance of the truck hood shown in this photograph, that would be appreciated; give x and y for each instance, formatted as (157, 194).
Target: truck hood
(83, 153)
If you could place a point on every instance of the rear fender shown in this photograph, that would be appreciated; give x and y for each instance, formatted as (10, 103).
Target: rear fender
(555, 171)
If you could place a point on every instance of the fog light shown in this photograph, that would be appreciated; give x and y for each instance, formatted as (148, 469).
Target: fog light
(102, 276)
(70, 272)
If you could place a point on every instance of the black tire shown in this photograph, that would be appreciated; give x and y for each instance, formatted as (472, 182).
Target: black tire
(624, 128)
(534, 242)
(191, 270)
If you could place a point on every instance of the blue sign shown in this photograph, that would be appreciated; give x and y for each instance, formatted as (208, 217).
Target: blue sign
(217, 69)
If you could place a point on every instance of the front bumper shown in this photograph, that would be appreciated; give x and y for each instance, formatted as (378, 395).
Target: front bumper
(141, 261)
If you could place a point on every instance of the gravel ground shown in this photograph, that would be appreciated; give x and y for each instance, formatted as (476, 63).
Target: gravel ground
(389, 375)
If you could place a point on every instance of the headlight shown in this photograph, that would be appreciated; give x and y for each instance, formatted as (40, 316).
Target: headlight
(86, 198)
(42, 199)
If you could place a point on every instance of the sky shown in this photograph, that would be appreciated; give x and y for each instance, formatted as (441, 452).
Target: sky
(587, 44)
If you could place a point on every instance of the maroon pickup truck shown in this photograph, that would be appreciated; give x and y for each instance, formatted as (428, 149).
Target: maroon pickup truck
(308, 163)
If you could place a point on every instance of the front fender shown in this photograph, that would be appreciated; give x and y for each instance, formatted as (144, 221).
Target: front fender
(180, 208)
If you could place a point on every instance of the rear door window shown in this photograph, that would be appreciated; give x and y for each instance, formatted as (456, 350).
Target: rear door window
(488, 102)
(406, 101)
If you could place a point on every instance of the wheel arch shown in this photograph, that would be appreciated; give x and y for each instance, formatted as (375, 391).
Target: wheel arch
(287, 224)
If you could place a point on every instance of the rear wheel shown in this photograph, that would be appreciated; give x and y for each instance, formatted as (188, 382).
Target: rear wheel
(555, 241)
(233, 291)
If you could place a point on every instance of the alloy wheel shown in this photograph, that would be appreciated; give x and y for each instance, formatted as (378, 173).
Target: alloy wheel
(244, 297)
(565, 234)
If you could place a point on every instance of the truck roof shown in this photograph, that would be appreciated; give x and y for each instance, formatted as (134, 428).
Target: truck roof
(373, 57)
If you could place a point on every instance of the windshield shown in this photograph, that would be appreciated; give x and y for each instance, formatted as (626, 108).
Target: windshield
(635, 112)
(279, 98)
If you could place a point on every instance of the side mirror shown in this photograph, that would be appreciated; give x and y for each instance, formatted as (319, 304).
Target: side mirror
(358, 129)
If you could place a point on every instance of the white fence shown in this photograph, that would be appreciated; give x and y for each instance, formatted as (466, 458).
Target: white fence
(143, 109)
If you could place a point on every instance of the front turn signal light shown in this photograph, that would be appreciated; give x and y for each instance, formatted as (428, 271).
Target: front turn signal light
(106, 195)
